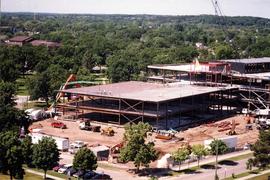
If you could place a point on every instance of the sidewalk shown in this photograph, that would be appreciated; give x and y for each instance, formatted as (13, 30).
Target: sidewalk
(255, 175)
(41, 174)
(212, 159)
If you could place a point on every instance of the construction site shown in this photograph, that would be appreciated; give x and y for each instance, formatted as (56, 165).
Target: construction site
(186, 103)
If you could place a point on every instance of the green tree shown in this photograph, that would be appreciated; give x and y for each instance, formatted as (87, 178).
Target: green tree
(225, 52)
(44, 85)
(250, 163)
(85, 159)
(135, 148)
(261, 150)
(39, 87)
(8, 70)
(88, 60)
(10, 117)
(27, 150)
(199, 151)
(180, 156)
(84, 74)
(7, 92)
(11, 158)
(218, 147)
(124, 65)
(45, 154)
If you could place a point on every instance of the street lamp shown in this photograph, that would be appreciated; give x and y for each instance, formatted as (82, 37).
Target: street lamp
(216, 163)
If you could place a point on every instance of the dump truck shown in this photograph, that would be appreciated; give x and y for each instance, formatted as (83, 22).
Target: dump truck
(107, 131)
(86, 125)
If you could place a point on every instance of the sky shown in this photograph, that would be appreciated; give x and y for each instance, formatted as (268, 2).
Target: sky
(260, 8)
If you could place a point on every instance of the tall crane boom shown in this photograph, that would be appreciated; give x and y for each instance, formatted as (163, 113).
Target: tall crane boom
(217, 8)
(219, 13)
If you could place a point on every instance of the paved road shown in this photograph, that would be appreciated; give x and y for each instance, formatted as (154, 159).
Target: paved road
(205, 174)
(117, 174)
(213, 158)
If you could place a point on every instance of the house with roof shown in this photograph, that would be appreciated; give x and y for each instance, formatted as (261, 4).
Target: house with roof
(19, 40)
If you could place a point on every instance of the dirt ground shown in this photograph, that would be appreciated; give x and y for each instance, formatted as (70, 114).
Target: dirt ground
(198, 134)
(74, 133)
(192, 136)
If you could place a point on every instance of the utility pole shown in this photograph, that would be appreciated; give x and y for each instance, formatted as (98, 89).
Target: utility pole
(216, 163)
(0, 18)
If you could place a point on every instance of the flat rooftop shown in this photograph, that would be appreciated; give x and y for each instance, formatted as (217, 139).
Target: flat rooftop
(180, 67)
(261, 76)
(249, 61)
(20, 39)
(144, 91)
(192, 67)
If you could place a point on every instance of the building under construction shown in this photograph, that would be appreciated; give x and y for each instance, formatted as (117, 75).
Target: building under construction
(176, 95)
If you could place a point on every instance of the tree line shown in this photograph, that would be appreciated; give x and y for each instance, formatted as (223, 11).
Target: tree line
(125, 44)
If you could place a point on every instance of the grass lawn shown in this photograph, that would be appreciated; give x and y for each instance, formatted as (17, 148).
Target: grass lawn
(261, 177)
(51, 172)
(27, 176)
(190, 170)
(194, 169)
(22, 89)
(35, 104)
(241, 157)
(257, 171)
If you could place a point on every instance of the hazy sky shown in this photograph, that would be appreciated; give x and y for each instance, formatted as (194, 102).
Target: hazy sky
(164, 7)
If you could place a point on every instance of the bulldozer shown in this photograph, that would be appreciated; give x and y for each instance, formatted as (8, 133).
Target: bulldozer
(107, 131)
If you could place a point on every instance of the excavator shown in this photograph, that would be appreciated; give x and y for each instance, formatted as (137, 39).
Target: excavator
(232, 131)
(107, 131)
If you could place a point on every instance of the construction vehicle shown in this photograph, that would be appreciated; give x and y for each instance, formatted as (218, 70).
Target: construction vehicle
(232, 130)
(116, 148)
(107, 131)
(86, 125)
(58, 125)
(248, 123)
(164, 136)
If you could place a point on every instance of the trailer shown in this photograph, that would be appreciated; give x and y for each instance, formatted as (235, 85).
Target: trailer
(62, 143)
(230, 141)
(101, 152)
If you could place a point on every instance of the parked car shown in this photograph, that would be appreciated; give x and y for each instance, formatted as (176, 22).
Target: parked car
(63, 169)
(58, 125)
(89, 175)
(70, 171)
(79, 174)
(247, 146)
(56, 168)
(102, 176)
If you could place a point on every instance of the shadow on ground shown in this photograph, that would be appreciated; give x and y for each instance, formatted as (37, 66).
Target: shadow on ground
(228, 163)
(162, 172)
(208, 166)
